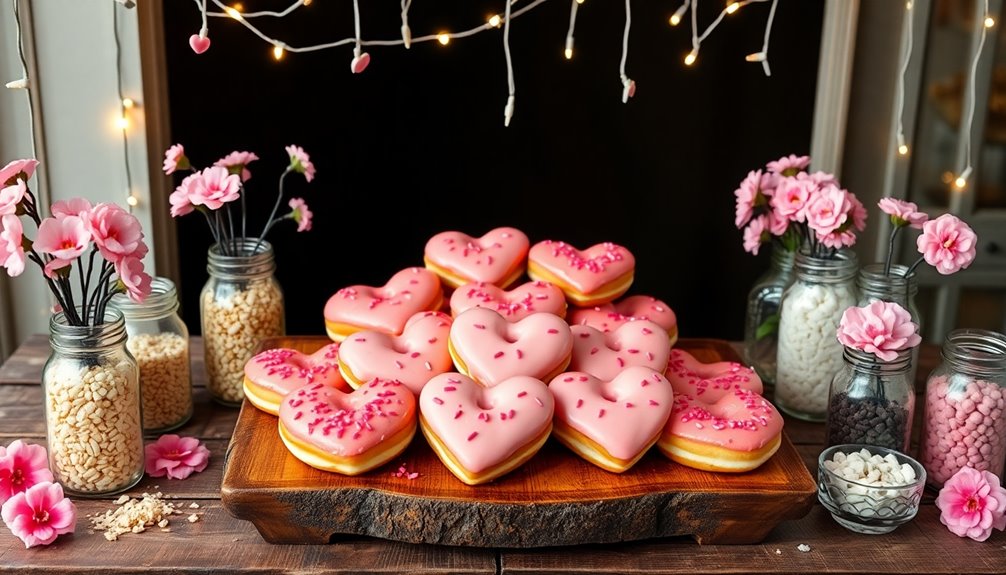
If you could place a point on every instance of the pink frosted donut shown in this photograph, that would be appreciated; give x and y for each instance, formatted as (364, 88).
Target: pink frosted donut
(603, 355)
(589, 277)
(273, 373)
(481, 433)
(348, 433)
(411, 358)
(720, 422)
(384, 308)
(516, 304)
(609, 316)
(495, 258)
(611, 423)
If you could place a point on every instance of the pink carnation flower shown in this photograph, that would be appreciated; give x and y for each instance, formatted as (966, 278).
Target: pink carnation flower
(972, 503)
(838, 239)
(64, 238)
(881, 328)
(22, 465)
(756, 234)
(301, 214)
(300, 162)
(777, 225)
(791, 196)
(40, 514)
(752, 193)
(137, 282)
(179, 199)
(11, 196)
(116, 232)
(947, 244)
(903, 213)
(858, 212)
(11, 246)
(71, 207)
(789, 165)
(214, 187)
(828, 210)
(17, 170)
(174, 159)
(237, 162)
(177, 457)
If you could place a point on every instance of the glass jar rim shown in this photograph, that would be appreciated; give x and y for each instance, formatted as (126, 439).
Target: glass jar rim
(872, 278)
(843, 266)
(249, 263)
(163, 300)
(869, 360)
(976, 350)
(65, 337)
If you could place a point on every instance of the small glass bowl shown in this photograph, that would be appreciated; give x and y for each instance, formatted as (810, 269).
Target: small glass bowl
(866, 508)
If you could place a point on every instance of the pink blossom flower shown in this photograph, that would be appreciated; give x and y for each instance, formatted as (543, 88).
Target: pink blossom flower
(11, 245)
(828, 210)
(179, 199)
(821, 179)
(40, 514)
(135, 281)
(838, 239)
(789, 165)
(22, 465)
(756, 234)
(17, 170)
(972, 503)
(115, 231)
(301, 214)
(237, 163)
(858, 212)
(11, 196)
(65, 238)
(777, 225)
(175, 159)
(177, 457)
(71, 207)
(752, 193)
(791, 196)
(214, 187)
(947, 243)
(881, 328)
(300, 162)
(903, 213)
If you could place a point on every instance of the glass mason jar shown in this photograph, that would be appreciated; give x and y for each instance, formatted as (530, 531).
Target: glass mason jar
(240, 305)
(872, 401)
(92, 407)
(809, 353)
(159, 341)
(963, 423)
(873, 285)
(761, 325)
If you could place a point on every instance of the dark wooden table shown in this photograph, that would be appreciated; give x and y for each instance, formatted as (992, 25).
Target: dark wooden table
(218, 543)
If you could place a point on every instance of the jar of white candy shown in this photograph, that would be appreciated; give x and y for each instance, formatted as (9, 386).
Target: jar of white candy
(809, 354)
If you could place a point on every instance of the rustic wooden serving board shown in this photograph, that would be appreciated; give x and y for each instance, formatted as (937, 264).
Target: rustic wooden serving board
(556, 498)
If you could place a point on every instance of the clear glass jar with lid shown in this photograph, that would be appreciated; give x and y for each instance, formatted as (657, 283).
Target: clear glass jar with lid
(159, 340)
(895, 287)
(963, 423)
(761, 325)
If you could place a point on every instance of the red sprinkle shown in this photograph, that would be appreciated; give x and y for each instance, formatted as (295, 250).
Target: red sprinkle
(553, 330)
(414, 355)
(438, 401)
(579, 403)
(594, 350)
(520, 354)
(498, 355)
(653, 402)
(473, 435)
(432, 340)
(647, 331)
(568, 379)
(450, 388)
(585, 334)
(298, 415)
(629, 404)
(621, 362)
(600, 414)
(644, 383)
(399, 364)
(458, 414)
(522, 394)
(479, 326)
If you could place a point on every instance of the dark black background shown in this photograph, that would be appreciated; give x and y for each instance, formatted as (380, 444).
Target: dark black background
(416, 145)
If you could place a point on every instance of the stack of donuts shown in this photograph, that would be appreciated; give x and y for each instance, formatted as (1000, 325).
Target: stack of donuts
(488, 371)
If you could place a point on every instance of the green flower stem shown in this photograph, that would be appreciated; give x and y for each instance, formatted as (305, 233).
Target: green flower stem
(275, 208)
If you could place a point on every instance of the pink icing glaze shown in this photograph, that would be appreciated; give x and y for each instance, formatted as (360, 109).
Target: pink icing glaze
(483, 426)
(348, 424)
(709, 381)
(282, 370)
(586, 270)
(385, 308)
(604, 355)
(490, 258)
(411, 358)
(622, 414)
(494, 349)
(515, 304)
(609, 316)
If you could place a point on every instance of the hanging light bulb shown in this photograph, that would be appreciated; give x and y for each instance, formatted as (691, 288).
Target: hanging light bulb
(122, 122)
(989, 22)
(691, 57)
(495, 20)
(733, 7)
(278, 51)
(444, 38)
(128, 103)
(233, 11)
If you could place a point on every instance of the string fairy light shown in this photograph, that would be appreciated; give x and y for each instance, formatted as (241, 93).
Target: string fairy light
(508, 110)
(628, 84)
(406, 31)
(731, 8)
(676, 17)
(361, 59)
(906, 55)
(961, 181)
(568, 51)
(23, 82)
(125, 105)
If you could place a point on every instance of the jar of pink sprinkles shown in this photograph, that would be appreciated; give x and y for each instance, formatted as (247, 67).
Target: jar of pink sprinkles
(964, 423)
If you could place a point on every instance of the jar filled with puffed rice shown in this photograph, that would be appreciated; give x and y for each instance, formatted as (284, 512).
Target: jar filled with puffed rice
(159, 340)
(240, 305)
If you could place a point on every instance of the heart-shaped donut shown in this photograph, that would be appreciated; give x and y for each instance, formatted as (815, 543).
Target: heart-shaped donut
(348, 433)
(611, 423)
(609, 316)
(273, 373)
(720, 422)
(411, 358)
(386, 308)
(481, 433)
(603, 355)
(514, 305)
(489, 349)
(596, 275)
(496, 258)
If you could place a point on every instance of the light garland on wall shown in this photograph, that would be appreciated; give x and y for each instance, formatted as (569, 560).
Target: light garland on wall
(961, 181)
(906, 55)
(126, 105)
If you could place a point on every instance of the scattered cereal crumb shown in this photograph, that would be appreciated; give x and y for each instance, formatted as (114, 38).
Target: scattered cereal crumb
(163, 523)
(133, 515)
(778, 551)
(193, 518)
(166, 530)
(193, 505)
(803, 548)
(122, 499)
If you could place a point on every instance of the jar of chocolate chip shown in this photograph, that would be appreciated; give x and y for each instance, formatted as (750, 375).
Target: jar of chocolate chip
(872, 401)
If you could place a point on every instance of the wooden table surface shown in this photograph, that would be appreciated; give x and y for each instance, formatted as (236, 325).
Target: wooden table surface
(218, 543)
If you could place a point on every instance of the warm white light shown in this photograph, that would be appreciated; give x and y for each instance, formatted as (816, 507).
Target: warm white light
(568, 52)
(128, 103)
(989, 22)
(960, 183)
(691, 57)
(495, 20)
(444, 38)
(903, 149)
(579, 1)
(733, 7)
(277, 52)
(908, 5)
(122, 122)
(132, 200)
(307, 3)
(675, 19)
(233, 12)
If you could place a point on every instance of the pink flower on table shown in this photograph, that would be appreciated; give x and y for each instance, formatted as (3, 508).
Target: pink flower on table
(133, 278)
(756, 234)
(177, 457)
(301, 214)
(237, 163)
(65, 238)
(947, 243)
(753, 192)
(903, 213)
(791, 196)
(972, 503)
(300, 162)
(22, 465)
(179, 199)
(17, 170)
(214, 187)
(116, 232)
(71, 207)
(11, 196)
(789, 165)
(174, 159)
(881, 328)
(828, 210)
(11, 245)
(40, 514)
